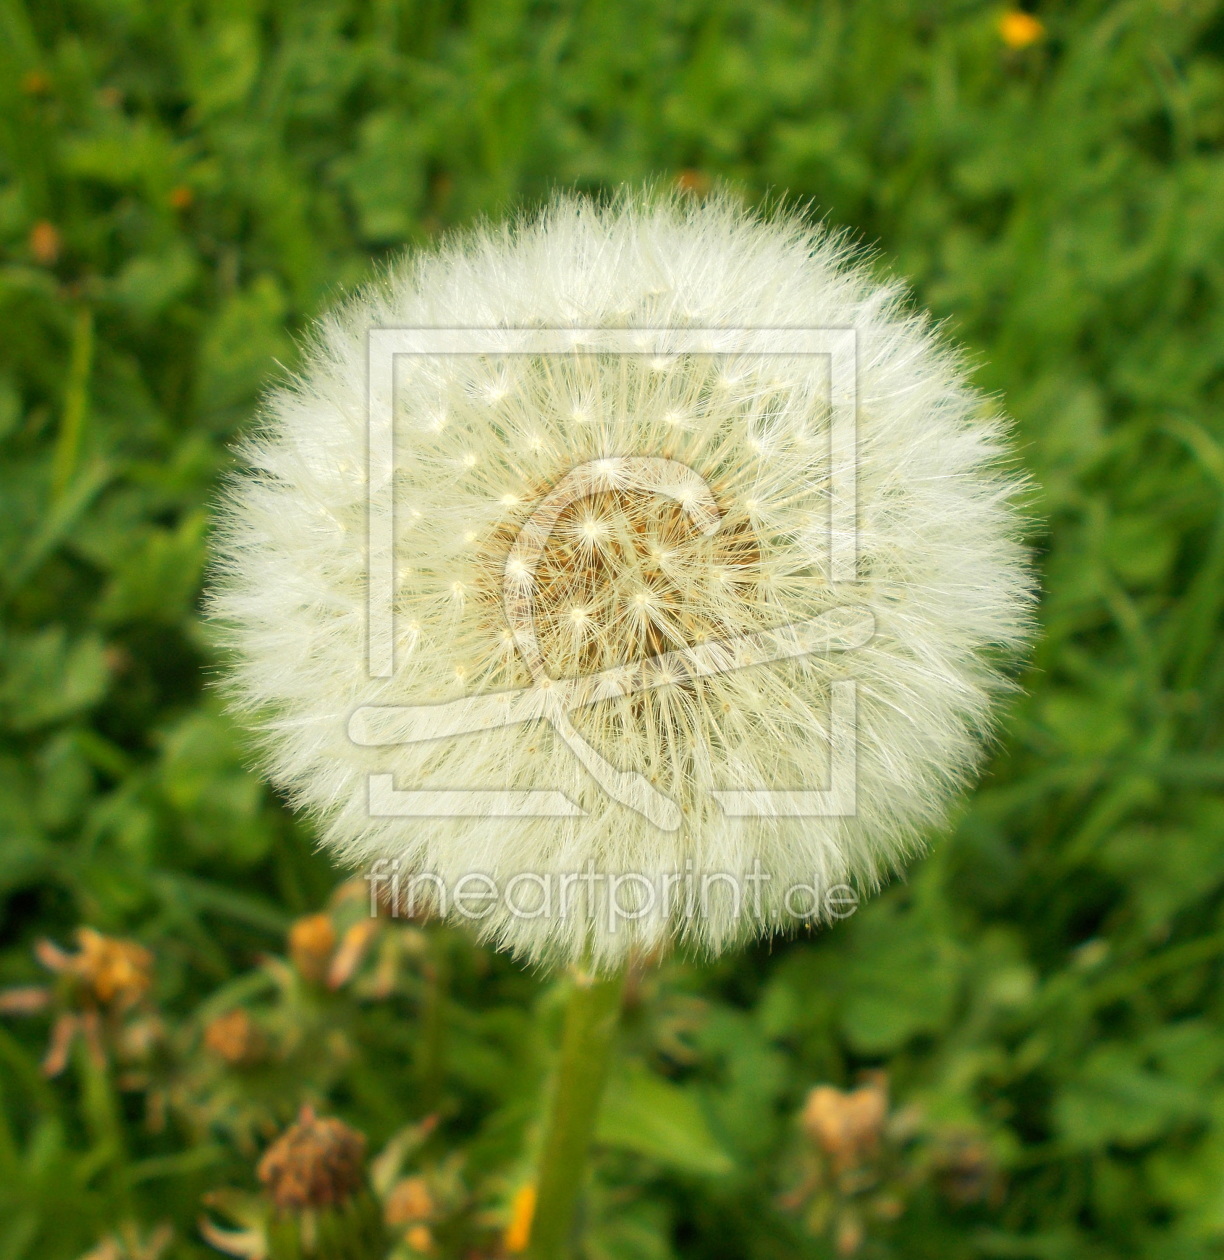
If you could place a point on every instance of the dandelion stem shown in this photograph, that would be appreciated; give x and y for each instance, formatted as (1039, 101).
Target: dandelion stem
(591, 1019)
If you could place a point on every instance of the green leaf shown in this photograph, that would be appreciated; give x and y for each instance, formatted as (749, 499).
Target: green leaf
(242, 347)
(899, 980)
(150, 282)
(222, 64)
(218, 800)
(160, 576)
(10, 406)
(24, 853)
(385, 177)
(1115, 1098)
(48, 677)
(651, 1116)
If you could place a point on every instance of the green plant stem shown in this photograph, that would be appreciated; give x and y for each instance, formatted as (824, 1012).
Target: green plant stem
(103, 1115)
(76, 403)
(433, 1036)
(591, 1019)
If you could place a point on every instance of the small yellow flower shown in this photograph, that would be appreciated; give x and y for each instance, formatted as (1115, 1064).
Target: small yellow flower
(522, 1210)
(419, 1238)
(1019, 29)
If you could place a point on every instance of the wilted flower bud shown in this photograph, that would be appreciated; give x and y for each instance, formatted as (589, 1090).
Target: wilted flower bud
(858, 1164)
(314, 1175)
(99, 987)
(315, 1163)
(847, 1125)
(409, 1201)
(311, 942)
(234, 1037)
(112, 972)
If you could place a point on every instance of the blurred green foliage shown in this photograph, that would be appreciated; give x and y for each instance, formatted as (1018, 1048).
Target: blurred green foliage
(184, 185)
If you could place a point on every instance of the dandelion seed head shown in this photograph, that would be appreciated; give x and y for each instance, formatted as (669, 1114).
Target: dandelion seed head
(726, 541)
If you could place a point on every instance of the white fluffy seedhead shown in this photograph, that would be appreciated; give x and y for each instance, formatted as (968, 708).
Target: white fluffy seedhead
(608, 541)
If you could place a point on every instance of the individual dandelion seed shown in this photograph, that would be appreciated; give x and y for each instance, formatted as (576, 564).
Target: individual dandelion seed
(605, 566)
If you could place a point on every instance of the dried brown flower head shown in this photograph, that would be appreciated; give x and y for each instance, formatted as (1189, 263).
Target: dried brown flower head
(315, 1163)
(847, 1124)
(112, 972)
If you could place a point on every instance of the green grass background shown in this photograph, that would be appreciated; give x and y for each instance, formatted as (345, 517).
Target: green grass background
(1049, 976)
